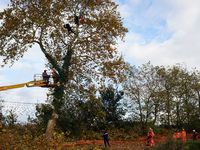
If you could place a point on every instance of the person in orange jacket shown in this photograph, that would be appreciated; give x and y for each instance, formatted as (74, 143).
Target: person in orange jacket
(150, 137)
(183, 135)
(178, 135)
(45, 76)
(148, 134)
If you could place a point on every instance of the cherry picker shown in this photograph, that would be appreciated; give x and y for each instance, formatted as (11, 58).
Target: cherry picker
(37, 82)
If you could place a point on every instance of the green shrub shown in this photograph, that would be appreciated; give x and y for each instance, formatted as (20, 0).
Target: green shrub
(193, 145)
(171, 144)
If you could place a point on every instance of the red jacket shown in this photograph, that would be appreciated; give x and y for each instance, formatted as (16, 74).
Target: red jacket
(44, 73)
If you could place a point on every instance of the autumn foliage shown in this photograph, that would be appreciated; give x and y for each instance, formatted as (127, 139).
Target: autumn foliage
(83, 54)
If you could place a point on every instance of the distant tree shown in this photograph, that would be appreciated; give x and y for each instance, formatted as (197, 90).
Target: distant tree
(11, 118)
(133, 90)
(142, 89)
(196, 88)
(186, 98)
(110, 100)
(168, 83)
(1, 114)
(87, 49)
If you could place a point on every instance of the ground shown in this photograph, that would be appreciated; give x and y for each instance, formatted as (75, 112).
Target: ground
(140, 144)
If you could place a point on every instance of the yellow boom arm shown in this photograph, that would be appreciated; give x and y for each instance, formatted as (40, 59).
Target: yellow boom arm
(28, 84)
(12, 86)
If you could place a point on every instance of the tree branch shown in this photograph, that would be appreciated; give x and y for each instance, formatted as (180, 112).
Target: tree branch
(49, 57)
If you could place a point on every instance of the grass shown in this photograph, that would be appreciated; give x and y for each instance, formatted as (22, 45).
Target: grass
(171, 144)
(24, 138)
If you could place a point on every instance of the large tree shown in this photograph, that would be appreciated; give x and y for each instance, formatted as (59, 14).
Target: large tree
(88, 53)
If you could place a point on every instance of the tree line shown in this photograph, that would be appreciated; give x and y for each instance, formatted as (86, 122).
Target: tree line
(149, 96)
(168, 96)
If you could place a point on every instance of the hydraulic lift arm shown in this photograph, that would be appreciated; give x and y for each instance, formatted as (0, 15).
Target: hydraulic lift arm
(38, 82)
(2, 88)
(28, 84)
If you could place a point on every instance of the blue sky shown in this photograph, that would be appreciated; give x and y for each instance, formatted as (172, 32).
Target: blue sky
(164, 32)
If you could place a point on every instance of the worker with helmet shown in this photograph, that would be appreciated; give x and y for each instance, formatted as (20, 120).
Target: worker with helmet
(183, 135)
(150, 137)
(195, 135)
(45, 76)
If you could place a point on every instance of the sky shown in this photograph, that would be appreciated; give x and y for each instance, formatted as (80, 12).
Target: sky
(164, 32)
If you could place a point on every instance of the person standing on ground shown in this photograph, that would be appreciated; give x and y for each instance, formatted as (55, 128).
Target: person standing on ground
(195, 135)
(178, 135)
(105, 136)
(183, 134)
(150, 137)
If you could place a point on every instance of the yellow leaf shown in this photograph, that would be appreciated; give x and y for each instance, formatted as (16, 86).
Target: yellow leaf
(4, 130)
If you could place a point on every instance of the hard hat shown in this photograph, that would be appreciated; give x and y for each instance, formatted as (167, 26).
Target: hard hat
(193, 130)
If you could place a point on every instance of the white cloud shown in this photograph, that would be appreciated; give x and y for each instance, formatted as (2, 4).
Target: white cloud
(176, 23)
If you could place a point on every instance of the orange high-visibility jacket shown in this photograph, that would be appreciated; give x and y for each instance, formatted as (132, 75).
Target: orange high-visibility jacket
(148, 134)
(152, 134)
(178, 135)
(183, 134)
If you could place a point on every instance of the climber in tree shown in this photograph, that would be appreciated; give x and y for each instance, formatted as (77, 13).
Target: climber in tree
(80, 17)
(76, 20)
(67, 26)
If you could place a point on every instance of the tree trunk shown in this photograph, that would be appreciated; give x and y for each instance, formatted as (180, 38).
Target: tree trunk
(140, 109)
(155, 115)
(198, 100)
(178, 115)
(168, 110)
(50, 126)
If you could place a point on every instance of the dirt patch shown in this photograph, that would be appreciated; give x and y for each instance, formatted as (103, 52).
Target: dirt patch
(97, 142)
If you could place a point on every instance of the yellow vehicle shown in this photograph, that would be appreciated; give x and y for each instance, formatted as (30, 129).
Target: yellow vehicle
(38, 82)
